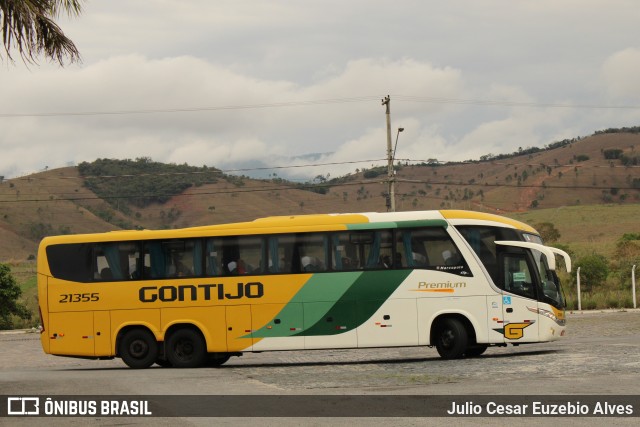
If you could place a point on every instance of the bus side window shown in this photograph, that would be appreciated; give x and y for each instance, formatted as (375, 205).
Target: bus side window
(362, 250)
(72, 262)
(213, 265)
(312, 249)
(243, 255)
(517, 275)
(114, 260)
(347, 251)
(429, 248)
(280, 254)
(482, 240)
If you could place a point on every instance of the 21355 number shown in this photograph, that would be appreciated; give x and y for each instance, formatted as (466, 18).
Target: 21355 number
(88, 297)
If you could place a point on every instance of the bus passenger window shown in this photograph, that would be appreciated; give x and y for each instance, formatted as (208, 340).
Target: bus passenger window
(362, 250)
(213, 263)
(311, 248)
(171, 258)
(116, 261)
(346, 251)
(429, 248)
(280, 249)
(243, 255)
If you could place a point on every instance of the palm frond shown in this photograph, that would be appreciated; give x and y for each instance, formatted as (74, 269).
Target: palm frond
(28, 27)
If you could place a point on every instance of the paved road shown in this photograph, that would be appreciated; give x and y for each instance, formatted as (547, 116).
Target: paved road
(600, 356)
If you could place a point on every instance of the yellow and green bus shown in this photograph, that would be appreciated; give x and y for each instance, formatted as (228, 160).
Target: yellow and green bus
(457, 280)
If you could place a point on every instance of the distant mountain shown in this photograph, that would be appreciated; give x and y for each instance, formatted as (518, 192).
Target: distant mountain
(110, 194)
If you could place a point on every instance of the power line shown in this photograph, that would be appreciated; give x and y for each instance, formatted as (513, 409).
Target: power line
(401, 98)
(486, 184)
(192, 109)
(502, 103)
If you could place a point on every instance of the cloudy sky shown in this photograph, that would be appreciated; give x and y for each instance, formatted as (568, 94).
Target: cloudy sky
(248, 83)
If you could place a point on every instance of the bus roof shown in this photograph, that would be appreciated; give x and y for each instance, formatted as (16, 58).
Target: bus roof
(468, 217)
(305, 223)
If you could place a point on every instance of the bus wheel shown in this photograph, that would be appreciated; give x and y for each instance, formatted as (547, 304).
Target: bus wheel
(186, 349)
(138, 348)
(451, 339)
(163, 363)
(476, 350)
(217, 359)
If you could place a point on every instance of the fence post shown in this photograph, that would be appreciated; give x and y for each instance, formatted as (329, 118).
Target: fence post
(633, 284)
(578, 277)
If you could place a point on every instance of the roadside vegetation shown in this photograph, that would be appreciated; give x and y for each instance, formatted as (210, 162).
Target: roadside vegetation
(604, 242)
(13, 312)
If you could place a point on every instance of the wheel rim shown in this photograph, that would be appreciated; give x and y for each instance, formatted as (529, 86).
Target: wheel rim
(447, 338)
(184, 350)
(139, 349)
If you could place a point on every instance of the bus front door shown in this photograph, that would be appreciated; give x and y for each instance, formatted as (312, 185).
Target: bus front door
(519, 302)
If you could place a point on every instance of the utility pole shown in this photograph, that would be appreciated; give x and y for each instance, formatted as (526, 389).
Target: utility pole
(391, 201)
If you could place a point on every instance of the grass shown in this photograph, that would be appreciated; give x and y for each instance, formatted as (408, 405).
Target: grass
(588, 229)
(600, 299)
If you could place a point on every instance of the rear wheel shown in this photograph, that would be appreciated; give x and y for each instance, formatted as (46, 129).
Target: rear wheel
(451, 339)
(186, 348)
(162, 362)
(138, 348)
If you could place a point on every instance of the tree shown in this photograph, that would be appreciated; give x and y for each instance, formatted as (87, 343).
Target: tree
(594, 269)
(29, 27)
(548, 231)
(9, 294)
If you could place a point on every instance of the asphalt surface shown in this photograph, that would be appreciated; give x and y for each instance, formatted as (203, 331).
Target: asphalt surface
(600, 356)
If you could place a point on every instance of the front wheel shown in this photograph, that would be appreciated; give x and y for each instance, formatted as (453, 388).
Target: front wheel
(186, 348)
(476, 350)
(451, 339)
(217, 359)
(138, 348)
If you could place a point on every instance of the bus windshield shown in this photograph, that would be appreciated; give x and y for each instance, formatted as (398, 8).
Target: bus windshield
(551, 288)
(482, 240)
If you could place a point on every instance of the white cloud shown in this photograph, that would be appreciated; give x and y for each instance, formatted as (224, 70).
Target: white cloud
(149, 55)
(620, 72)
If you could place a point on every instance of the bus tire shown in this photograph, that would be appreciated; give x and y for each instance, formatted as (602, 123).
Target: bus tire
(163, 363)
(186, 348)
(476, 350)
(138, 348)
(217, 359)
(452, 339)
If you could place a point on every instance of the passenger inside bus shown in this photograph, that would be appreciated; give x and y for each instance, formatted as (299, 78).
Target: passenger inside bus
(238, 267)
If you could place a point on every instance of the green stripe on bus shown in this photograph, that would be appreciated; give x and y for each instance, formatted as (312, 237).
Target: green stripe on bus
(321, 290)
(358, 303)
(371, 226)
(423, 223)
